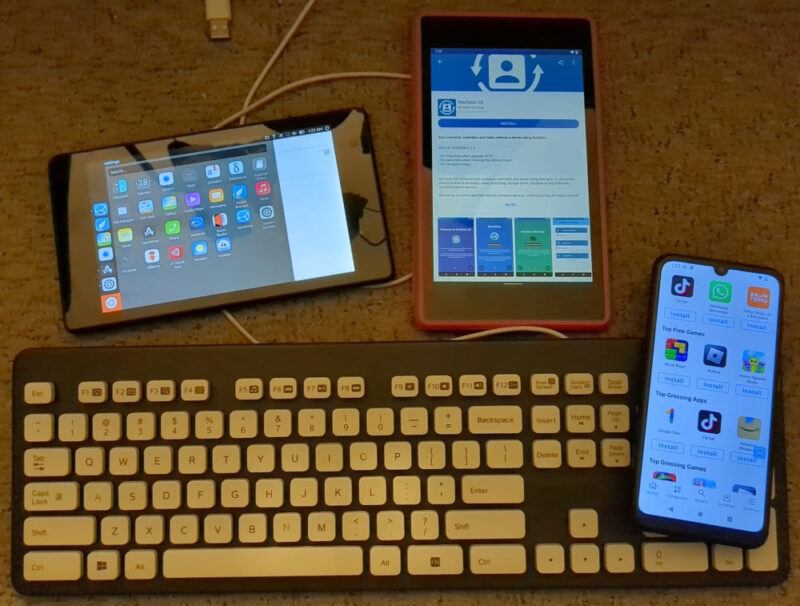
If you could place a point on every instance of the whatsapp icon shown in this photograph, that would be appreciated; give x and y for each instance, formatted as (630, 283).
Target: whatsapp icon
(720, 292)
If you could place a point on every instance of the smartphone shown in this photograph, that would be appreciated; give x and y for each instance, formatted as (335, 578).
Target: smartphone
(709, 400)
(510, 224)
(208, 219)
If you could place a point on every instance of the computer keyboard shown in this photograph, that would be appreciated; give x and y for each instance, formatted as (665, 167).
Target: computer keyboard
(361, 466)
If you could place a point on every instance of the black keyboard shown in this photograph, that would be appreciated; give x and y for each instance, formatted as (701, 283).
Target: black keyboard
(374, 466)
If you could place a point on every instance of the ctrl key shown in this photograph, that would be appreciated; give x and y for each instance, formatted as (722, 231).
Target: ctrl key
(52, 566)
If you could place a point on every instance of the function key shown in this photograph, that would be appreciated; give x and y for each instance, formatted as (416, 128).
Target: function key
(472, 385)
(283, 388)
(195, 390)
(249, 389)
(579, 383)
(92, 392)
(506, 385)
(544, 384)
(126, 391)
(438, 386)
(405, 386)
(39, 392)
(317, 388)
(350, 388)
(613, 383)
(161, 390)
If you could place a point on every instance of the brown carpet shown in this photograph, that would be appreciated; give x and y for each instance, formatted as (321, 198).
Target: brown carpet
(701, 139)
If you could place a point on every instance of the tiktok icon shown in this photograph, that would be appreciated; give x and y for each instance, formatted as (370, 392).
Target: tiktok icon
(682, 286)
(709, 421)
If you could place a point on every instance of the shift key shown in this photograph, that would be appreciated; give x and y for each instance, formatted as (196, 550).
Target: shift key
(59, 530)
(484, 524)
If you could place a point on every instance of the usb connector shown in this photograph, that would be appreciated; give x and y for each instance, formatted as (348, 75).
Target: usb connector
(218, 16)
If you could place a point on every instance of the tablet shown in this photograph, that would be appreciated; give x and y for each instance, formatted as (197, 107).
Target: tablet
(509, 200)
(193, 221)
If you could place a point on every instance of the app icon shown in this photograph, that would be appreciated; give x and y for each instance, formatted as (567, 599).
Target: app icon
(704, 483)
(665, 476)
(124, 234)
(216, 195)
(266, 212)
(676, 350)
(121, 186)
(105, 254)
(172, 228)
(142, 183)
(263, 188)
(220, 219)
(169, 202)
(212, 171)
(749, 428)
(719, 292)
(109, 303)
(122, 211)
(742, 488)
(175, 252)
(108, 284)
(196, 223)
(753, 361)
(190, 175)
(223, 244)
(243, 216)
(151, 255)
(758, 297)
(149, 231)
(709, 421)
(260, 164)
(446, 107)
(682, 286)
(192, 199)
(102, 224)
(715, 355)
(236, 167)
(166, 179)
(104, 238)
(145, 207)
(100, 209)
(199, 248)
(239, 192)
(107, 270)
(670, 415)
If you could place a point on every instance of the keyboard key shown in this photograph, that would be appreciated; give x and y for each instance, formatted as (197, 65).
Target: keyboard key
(269, 493)
(363, 456)
(195, 390)
(579, 418)
(484, 524)
(615, 452)
(581, 453)
(447, 420)
(549, 558)
(472, 386)
(390, 526)
(424, 525)
(579, 383)
(506, 385)
(39, 428)
(355, 526)
(149, 530)
(406, 490)
(372, 490)
(438, 386)
(235, 493)
(435, 559)
(405, 386)
(283, 388)
(583, 523)
(175, 425)
(397, 455)
(546, 454)
(249, 389)
(584, 558)
(317, 388)
(253, 528)
(497, 559)
(544, 384)
(52, 566)
(466, 454)
(350, 388)
(321, 527)
(92, 392)
(73, 427)
(243, 424)
(414, 421)
(431, 455)
(765, 558)
(613, 383)
(345, 422)
(39, 392)
(47, 462)
(674, 557)
(193, 460)
(51, 496)
(727, 558)
(98, 496)
(59, 530)
(126, 392)
(184, 529)
(338, 491)
(209, 425)
(103, 565)
(115, 530)
(614, 418)
(123, 461)
(227, 458)
(619, 558)
(311, 423)
(441, 490)
(380, 422)
(140, 426)
(494, 489)
(218, 528)
(504, 454)
(277, 423)
(495, 419)
(160, 390)
(385, 560)
(545, 418)
(141, 564)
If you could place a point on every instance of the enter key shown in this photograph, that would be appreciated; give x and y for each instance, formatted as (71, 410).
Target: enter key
(492, 489)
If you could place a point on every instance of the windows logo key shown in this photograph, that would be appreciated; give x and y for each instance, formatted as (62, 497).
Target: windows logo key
(446, 107)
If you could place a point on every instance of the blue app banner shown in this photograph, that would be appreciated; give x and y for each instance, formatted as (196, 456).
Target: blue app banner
(495, 247)
(456, 247)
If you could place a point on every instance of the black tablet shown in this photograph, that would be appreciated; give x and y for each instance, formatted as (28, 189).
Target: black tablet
(193, 221)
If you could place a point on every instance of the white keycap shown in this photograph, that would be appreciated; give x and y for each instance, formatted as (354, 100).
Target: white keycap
(192, 460)
(126, 392)
(283, 388)
(544, 384)
(545, 418)
(472, 386)
(546, 454)
(243, 424)
(39, 392)
(385, 560)
(329, 457)
(499, 488)
(727, 558)
(506, 385)
(465, 454)
(497, 559)
(424, 525)
(92, 392)
(495, 419)
(132, 496)
(615, 418)
(47, 462)
(584, 558)
(52, 565)
(226, 458)
(613, 383)
(441, 490)
(123, 461)
(160, 390)
(380, 422)
(317, 388)
(765, 558)
(447, 420)
(59, 530)
(39, 427)
(73, 427)
(303, 492)
(372, 490)
(247, 389)
(406, 490)
(579, 418)
(115, 530)
(467, 524)
(549, 558)
(311, 423)
(581, 453)
(175, 425)
(414, 421)
(619, 558)
(338, 491)
(141, 564)
(209, 425)
(438, 386)
(397, 455)
(51, 496)
(103, 565)
(218, 528)
(287, 527)
(583, 523)
(184, 529)
(90, 461)
(262, 562)
(166, 494)
(277, 423)
(195, 390)
(107, 427)
(98, 496)
(269, 493)
(201, 494)
(405, 386)
(321, 527)
(579, 383)
(149, 530)
(431, 455)
(435, 560)
(140, 426)
(615, 452)
(350, 388)
(295, 457)
(674, 557)
(252, 528)
(260, 458)
(504, 454)
(345, 422)
(390, 525)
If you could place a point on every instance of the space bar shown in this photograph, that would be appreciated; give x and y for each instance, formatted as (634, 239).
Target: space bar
(252, 562)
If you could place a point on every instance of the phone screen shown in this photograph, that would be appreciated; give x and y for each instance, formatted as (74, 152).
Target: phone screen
(705, 452)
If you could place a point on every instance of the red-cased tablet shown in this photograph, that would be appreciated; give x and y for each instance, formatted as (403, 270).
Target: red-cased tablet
(510, 221)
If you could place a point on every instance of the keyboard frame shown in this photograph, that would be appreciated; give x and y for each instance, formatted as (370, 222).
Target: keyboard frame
(553, 493)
